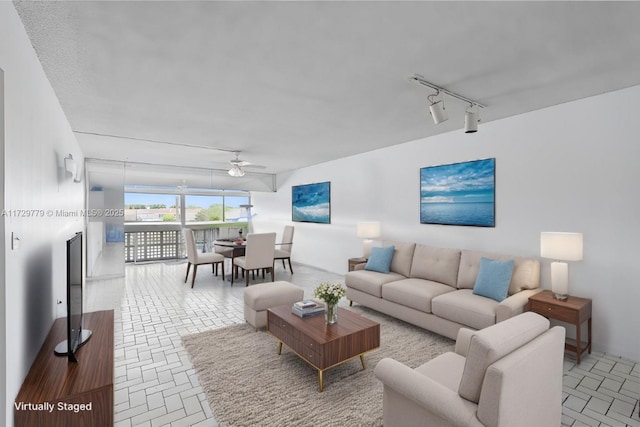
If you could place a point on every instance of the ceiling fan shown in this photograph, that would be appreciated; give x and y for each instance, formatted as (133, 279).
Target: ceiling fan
(238, 165)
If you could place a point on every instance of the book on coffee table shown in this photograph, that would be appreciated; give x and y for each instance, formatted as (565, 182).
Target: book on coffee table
(317, 308)
(307, 303)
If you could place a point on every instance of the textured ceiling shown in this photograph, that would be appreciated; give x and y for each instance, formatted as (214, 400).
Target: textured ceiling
(291, 84)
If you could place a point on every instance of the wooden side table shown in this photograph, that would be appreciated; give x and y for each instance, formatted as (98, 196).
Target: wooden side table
(573, 310)
(355, 261)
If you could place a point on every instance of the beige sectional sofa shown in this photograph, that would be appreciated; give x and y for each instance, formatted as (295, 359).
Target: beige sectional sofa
(433, 288)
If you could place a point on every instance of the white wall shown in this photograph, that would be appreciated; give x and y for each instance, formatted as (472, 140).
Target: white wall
(3, 323)
(572, 167)
(37, 138)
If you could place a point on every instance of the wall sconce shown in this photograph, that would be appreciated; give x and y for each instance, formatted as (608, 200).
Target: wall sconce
(71, 167)
(368, 231)
(561, 247)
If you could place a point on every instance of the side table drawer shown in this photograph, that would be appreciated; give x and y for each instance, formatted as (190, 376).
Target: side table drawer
(554, 312)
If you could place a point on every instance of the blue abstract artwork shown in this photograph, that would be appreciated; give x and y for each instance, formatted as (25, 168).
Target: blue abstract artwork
(311, 203)
(459, 194)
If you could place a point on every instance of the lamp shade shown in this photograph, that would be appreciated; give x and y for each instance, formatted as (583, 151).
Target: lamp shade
(236, 171)
(561, 246)
(368, 230)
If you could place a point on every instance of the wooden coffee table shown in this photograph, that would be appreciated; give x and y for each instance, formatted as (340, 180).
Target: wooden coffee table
(320, 345)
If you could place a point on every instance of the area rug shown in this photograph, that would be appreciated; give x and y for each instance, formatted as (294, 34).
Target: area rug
(248, 384)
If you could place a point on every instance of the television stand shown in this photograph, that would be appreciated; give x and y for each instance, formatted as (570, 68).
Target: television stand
(57, 392)
(62, 349)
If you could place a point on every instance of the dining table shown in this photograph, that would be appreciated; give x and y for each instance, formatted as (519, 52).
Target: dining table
(230, 248)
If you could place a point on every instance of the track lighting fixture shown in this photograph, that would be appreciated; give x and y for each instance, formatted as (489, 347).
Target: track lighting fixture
(437, 109)
(471, 119)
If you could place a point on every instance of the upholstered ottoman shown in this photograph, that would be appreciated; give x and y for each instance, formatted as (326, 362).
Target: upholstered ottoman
(258, 298)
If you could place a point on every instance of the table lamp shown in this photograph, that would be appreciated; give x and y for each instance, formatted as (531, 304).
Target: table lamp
(368, 230)
(560, 247)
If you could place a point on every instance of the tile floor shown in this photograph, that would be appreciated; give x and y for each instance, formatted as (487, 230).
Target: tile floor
(156, 385)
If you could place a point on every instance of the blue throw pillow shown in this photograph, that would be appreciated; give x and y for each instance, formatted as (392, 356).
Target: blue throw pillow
(380, 259)
(493, 279)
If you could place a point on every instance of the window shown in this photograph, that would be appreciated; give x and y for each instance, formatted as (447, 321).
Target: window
(154, 217)
(217, 209)
(203, 208)
(150, 207)
(234, 209)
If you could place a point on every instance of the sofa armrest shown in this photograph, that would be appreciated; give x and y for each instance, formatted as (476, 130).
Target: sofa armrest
(427, 393)
(514, 305)
(359, 266)
(463, 340)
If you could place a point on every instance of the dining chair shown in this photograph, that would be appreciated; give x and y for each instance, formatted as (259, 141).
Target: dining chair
(286, 245)
(227, 252)
(196, 258)
(259, 251)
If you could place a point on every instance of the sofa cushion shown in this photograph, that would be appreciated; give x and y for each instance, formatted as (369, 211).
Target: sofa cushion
(493, 278)
(401, 262)
(370, 282)
(445, 369)
(491, 344)
(380, 259)
(437, 264)
(463, 307)
(414, 293)
(526, 271)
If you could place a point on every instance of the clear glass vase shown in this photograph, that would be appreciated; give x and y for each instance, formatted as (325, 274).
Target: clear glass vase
(331, 314)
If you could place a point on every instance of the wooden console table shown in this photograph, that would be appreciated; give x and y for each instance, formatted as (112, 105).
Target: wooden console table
(573, 310)
(57, 392)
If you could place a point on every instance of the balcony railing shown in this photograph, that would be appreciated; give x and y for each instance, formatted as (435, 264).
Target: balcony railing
(162, 241)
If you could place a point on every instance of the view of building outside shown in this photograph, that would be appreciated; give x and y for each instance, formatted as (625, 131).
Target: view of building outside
(142, 207)
(151, 207)
(204, 208)
(215, 208)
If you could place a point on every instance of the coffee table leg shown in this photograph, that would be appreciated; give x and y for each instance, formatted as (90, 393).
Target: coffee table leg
(320, 379)
(362, 361)
(279, 347)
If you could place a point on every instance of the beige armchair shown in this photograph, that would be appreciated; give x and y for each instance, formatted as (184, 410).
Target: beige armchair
(259, 252)
(196, 258)
(285, 247)
(509, 374)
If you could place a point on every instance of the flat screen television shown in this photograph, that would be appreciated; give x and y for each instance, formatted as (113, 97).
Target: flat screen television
(76, 335)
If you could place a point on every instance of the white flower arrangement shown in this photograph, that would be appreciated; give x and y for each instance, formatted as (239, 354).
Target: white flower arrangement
(330, 293)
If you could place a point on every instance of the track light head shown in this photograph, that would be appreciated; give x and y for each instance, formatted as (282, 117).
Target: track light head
(471, 119)
(437, 109)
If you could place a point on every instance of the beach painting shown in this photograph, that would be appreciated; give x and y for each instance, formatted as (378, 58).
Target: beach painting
(311, 203)
(459, 194)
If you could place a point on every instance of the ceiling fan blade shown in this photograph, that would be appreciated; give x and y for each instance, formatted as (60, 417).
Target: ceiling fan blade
(238, 163)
